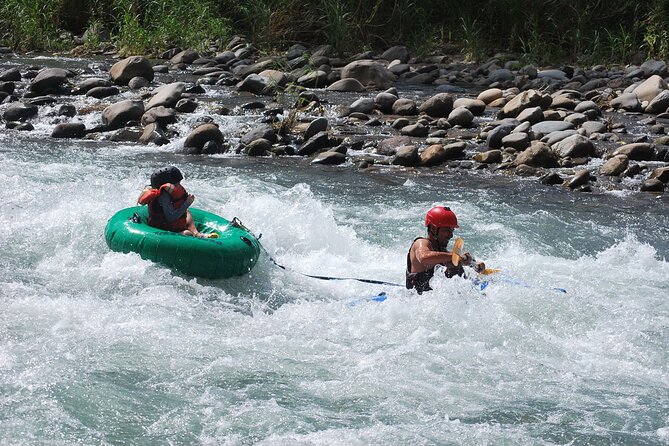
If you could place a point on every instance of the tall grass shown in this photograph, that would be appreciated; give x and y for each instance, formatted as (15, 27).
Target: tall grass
(540, 31)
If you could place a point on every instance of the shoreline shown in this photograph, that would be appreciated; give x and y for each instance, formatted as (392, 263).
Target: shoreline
(590, 130)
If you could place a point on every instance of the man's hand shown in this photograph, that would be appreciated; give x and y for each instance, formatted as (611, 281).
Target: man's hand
(190, 199)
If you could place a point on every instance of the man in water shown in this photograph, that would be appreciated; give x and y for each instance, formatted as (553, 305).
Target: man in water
(426, 253)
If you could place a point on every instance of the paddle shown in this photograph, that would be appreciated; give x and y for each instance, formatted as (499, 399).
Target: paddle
(456, 252)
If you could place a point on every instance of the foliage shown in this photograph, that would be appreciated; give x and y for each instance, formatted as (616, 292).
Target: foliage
(540, 31)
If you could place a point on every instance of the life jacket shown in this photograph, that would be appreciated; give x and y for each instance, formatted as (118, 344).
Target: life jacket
(421, 280)
(157, 219)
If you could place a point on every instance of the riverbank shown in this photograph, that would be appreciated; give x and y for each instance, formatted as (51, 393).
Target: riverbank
(590, 129)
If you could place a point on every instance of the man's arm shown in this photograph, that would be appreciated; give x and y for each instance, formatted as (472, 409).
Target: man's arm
(429, 258)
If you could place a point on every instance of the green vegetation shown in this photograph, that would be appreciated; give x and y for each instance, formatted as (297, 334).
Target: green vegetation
(611, 31)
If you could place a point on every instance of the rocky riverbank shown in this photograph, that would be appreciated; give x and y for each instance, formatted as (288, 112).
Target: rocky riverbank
(588, 129)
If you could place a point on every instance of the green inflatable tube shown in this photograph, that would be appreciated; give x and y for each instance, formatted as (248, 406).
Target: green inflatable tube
(234, 253)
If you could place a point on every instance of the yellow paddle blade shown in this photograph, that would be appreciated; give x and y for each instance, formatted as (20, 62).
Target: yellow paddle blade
(488, 271)
(456, 253)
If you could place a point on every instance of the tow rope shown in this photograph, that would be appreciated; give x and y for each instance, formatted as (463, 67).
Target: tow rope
(236, 222)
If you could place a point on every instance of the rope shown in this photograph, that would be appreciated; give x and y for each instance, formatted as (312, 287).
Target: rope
(236, 222)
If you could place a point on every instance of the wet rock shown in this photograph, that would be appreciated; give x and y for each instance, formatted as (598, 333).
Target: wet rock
(489, 157)
(86, 85)
(316, 126)
(201, 134)
(591, 127)
(404, 107)
(264, 131)
(67, 110)
(349, 84)
(581, 178)
(650, 88)
(153, 134)
(400, 53)
(437, 106)
(329, 158)
(461, 116)
(69, 130)
(406, 156)
(637, 151)
(362, 105)
(19, 111)
(476, 106)
(258, 147)
(615, 166)
(118, 115)
(496, 135)
(384, 101)
(167, 95)
(490, 95)
(575, 146)
(256, 84)
(654, 67)
(48, 80)
(184, 57)
(551, 179)
(652, 185)
(161, 115)
(525, 170)
(186, 105)
(538, 154)
(369, 73)
(316, 143)
(661, 173)
(389, 146)
(548, 127)
(10, 75)
(121, 72)
(314, 79)
(519, 141)
(138, 82)
(628, 102)
(418, 130)
(585, 106)
(102, 92)
(400, 123)
(531, 115)
(526, 99)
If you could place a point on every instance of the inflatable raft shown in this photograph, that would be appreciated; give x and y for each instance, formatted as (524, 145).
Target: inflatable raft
(234, 253)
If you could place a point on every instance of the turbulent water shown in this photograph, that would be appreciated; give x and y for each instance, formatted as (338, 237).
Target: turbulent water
(98, 347)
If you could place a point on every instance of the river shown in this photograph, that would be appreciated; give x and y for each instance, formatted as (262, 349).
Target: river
(98, 347)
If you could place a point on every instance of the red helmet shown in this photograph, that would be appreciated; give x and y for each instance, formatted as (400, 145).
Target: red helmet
(441, 217)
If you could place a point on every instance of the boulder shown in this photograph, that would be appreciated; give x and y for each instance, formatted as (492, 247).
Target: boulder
(575, 146)
(650, 88)
(69, 130)
(329, 158)
(538, 154)
(404, 107)
(48, 80)
(369, 73)
(119, 114)
(438, 106)
(406, 156)
(348, 84)
(614, 166)
(202, 134)
(19, 111)
(640, 151)
(167, 95)
(122, 71)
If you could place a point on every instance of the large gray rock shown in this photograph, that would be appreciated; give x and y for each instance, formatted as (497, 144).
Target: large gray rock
(461, 116)
(615, 166)
(329, 158)
(438, 106)
(118, 115)
(640, 151)
(406, 156)
(362, 105)
(19, 111)
(547, 127)
(202, 134)
(526, 99)
(659, 104)
(575, 146)
(384, 101)
(69, 130)
(389, 146)
(651, 87)
(48, 80)
(162, 115)
(167, 95)
(537, 155)
(404, 107)
(122, 71)
(369, 73)
(400, 53)
(348, 84)
(264, 131)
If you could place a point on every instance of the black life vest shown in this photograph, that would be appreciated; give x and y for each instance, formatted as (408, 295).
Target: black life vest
(421, 280)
